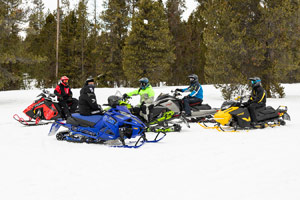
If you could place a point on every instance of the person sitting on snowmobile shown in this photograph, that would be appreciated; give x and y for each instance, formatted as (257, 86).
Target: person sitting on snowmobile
(146, 93)
(64, 97)
(87, 99)
(196, 95)
(257, 99)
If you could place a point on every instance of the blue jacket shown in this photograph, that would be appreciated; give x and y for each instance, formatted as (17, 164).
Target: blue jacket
(196, 90)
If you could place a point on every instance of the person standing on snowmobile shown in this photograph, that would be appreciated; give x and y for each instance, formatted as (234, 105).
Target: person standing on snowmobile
(87, 99)
(196, 95)
(64, 97)
(147, 94)
(257, 99)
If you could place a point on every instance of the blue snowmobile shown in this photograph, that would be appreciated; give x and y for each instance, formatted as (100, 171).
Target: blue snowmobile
(115, 124)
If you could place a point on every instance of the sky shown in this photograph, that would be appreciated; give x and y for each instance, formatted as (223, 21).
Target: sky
(52, 4)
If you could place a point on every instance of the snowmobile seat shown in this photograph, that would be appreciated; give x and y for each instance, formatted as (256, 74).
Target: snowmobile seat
(86, 121)
(194, 104)
(266, 113)
(201, 106)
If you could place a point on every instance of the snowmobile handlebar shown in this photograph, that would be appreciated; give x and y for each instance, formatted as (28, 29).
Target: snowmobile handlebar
(176, 93)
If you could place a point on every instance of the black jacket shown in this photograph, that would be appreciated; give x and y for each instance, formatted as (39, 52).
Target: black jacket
(258, 95)
(88, 102)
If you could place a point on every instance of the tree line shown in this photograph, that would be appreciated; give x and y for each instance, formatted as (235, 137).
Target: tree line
(223, 42)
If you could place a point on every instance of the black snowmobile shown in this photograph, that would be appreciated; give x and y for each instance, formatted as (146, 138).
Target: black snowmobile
(234, 114)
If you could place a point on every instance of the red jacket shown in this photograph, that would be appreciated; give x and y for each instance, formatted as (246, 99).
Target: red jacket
(63, 92)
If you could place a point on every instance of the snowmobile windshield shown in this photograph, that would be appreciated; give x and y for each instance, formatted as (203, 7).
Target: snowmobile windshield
(162, 96)
(227, 104)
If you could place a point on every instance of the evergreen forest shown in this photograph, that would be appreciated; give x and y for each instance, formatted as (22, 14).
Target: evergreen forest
(224, 42)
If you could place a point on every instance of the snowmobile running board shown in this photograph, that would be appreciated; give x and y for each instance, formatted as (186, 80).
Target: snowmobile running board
(218, 128)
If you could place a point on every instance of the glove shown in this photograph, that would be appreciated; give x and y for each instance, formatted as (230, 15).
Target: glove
(69, 99)
(125, 96)
(178, 90)
(245, 104)
(60, 98)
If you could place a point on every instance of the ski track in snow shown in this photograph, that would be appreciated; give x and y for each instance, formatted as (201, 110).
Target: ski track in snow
(193, 164)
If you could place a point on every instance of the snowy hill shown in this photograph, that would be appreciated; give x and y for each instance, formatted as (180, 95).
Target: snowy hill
(193, 164)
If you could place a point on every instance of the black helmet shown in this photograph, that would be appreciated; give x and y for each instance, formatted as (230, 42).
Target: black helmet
(89, 79)
(144, 83)
(193, 78)
(255, 81)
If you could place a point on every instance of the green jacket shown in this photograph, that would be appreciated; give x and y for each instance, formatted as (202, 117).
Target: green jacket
(147, 95)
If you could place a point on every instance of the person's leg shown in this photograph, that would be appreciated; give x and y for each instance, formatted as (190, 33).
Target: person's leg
(74, 105)
(252, 110)
(65, 109)
(186, 105)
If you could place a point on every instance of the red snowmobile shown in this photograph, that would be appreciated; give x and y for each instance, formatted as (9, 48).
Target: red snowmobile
(42, 111)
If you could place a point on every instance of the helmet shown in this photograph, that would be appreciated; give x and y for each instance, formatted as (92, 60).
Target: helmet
(89, 79)
(255, 81)
(193, 78)
(144, 83)
(64, 80)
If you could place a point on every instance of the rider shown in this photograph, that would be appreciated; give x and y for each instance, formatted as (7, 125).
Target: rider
(64, 96)
(146, 93)
(196, 95)
(87, 99)
(257, 99)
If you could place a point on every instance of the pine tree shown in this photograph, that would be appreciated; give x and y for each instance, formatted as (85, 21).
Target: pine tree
(12, 15)
(148, 50)
(195, 46)
(250, 38)
(115, 23)
(174, 10)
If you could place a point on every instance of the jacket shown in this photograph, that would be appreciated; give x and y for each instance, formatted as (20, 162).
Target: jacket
(87, 101)
(195, 89)
(147, 94)
(258, 95)
(63, 92)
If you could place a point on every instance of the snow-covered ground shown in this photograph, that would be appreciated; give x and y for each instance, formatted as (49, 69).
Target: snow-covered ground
(195, 164)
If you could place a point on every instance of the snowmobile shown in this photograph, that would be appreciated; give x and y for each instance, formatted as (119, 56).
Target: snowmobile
(235, 115)
(168, 107)
(117, 124)
(153, 126)
(42, 111)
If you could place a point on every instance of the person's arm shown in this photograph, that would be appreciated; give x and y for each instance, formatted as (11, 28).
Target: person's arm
(260, 95)
(91, 99)
(133, 93)
(185, 89)
(57, 92)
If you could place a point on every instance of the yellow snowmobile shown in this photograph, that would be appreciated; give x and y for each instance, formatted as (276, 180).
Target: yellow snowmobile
(234, 114)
